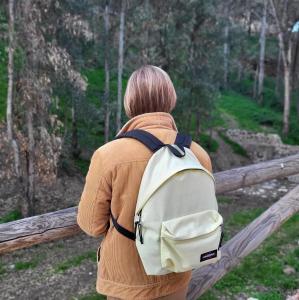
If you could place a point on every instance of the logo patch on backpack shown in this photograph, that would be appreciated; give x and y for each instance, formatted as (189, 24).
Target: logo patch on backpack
(208, 255)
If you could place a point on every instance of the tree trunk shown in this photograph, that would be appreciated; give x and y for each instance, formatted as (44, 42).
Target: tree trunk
(10, 71)
(225, 56)
(240, 71)
(120, 64)
(197, 122)
(75, 144)
(286, 54)
(255, 82)
(278, 75)
(295, 69)
(30, 190)
(287, 100)
(145, 50)
(249, 17)
(262, 54)
(107, 72)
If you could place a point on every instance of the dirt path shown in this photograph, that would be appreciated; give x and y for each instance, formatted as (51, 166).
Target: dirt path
(44, 281)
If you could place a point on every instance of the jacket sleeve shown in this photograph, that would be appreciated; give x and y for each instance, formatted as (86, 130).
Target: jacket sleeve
(94, 206)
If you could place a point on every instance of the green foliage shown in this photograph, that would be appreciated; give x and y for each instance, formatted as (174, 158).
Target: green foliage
(75, 261)
(83, 165)
(238, 149)
(95, 88)
(11, 216)
(208, 142)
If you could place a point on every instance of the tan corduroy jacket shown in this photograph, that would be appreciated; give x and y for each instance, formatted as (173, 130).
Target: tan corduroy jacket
(113, 182)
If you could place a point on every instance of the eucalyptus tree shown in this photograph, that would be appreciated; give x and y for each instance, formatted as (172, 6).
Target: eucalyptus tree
(10, 95)
(285, 15)
(120, 63)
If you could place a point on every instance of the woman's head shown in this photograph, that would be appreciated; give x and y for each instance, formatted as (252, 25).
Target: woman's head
(149, 89)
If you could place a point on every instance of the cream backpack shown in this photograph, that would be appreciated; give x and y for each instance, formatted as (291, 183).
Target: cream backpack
(177, 224)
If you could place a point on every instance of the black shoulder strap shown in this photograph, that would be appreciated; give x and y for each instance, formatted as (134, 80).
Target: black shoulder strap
(122, 230)
(149, 140)
(183, 140)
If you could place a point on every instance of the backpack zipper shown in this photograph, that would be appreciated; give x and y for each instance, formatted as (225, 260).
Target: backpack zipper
(138, 224)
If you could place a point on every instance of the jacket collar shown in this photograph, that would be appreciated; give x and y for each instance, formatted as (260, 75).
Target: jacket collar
(150, 121)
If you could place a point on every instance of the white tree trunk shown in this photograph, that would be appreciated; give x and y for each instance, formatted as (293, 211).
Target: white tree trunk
(107, 72)
(120, 64)
(287, 96)
(10, 71)
(278, 74)
(262, 54)
(255, 82)
(225, 56)
(286, 55)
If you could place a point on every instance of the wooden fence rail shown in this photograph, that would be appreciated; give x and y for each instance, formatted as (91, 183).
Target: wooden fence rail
(244, 242)
(51, 226)
(43, 228)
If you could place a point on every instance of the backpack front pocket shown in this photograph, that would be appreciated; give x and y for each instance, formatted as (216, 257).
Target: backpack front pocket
(191, 241)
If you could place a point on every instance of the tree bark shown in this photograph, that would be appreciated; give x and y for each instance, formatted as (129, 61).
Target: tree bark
(120, 64)
(10, 71)
(107, 72)
(278, 74)
(262, 54)
(249, 16)
(75, 143)
(256, 74)
(286, 55)
(225, 56)
(295, 70)
(30, 189)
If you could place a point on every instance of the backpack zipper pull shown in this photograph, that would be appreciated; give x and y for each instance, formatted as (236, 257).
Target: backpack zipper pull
(138, 224)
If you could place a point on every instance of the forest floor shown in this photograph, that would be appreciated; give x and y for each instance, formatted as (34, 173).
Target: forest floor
(66, 269)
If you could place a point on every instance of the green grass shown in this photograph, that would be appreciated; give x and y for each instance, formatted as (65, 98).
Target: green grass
(2, 269)
(264, 267)
(92, 296)
(252, 117)
(224, 199)
(238, 149)
(23, 265)
(11, 216)
(248, 114)
(75, 261)
(207, 142)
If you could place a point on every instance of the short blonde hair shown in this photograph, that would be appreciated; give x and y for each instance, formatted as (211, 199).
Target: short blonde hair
(149, 89)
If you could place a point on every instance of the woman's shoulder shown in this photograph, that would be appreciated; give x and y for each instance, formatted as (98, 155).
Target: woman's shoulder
(120, 151)
(201, 155)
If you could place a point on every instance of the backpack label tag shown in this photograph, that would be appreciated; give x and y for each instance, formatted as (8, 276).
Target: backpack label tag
(208, 255)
